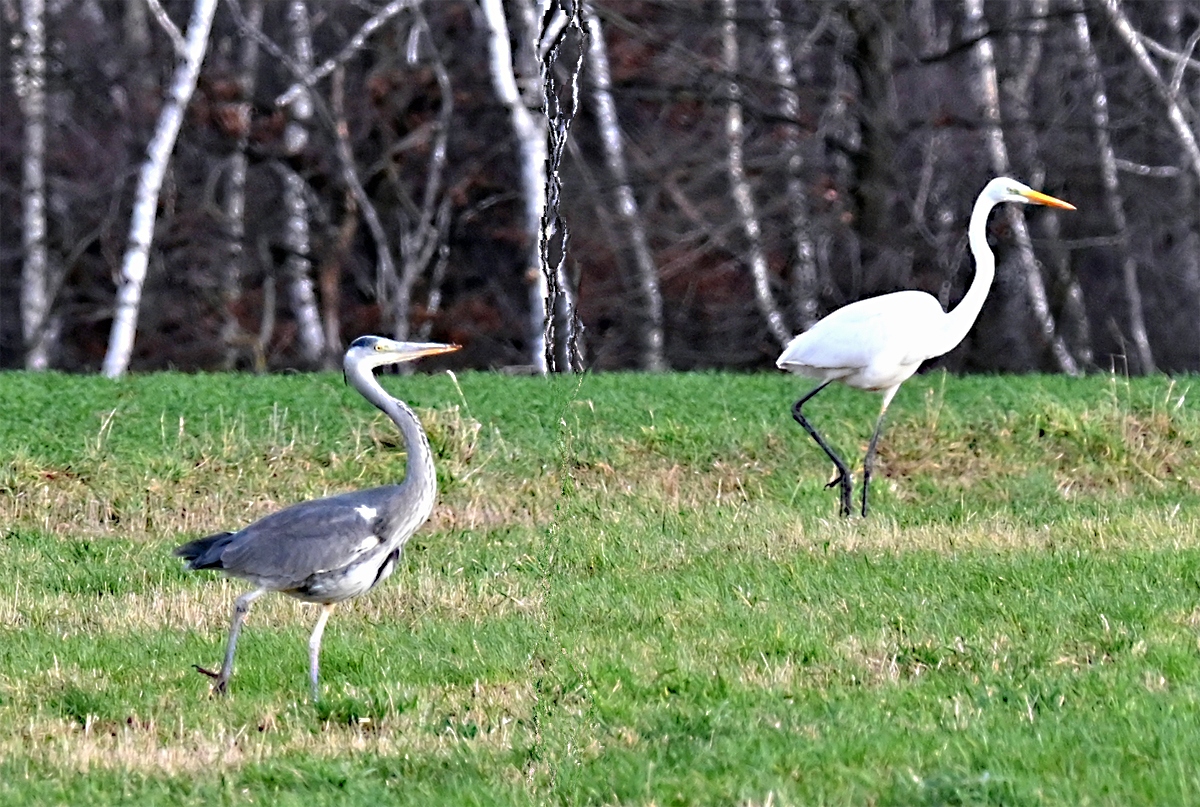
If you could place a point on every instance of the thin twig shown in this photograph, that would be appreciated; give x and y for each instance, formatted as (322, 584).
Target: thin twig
(171, 29)
(352, 47)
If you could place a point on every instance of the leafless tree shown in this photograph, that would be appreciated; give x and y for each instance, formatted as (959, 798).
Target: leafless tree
(804, 269)
(297, 263)
(1027, 25)
(742, 194)
(530, 131)
(234, 203)
(650, 325)
(1167, 92)
(1185, 227)
(1113, 198)
(987, 89)
(36, 284)
(190, 53)
(426, 223)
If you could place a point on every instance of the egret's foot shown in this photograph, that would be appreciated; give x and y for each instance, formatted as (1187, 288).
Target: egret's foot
(847, 491)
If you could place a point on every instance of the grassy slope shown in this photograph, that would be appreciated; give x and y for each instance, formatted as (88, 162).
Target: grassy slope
(634, 590)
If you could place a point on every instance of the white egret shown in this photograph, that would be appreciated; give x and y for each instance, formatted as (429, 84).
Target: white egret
(876, 344)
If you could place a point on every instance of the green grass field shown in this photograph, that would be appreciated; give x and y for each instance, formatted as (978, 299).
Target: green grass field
(634, 590)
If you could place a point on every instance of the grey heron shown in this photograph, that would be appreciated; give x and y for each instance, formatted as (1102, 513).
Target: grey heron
(878, 343)
(333, 549)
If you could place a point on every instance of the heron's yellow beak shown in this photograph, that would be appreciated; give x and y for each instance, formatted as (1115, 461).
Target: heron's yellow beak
(417, 350)
(1038, 198)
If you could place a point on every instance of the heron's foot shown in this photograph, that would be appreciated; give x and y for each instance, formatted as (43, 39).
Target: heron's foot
(220, 683)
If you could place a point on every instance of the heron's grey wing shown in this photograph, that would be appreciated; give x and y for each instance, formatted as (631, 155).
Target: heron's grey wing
(285, 548)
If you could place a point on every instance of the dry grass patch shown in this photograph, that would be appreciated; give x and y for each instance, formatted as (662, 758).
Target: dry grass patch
(1110, 447)
(1165, 528)
(430, 722)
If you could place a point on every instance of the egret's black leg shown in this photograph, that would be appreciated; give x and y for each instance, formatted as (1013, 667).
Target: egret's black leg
(869, 460)
(843, 478)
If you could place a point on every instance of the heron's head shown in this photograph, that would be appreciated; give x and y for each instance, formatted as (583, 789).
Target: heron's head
(369, 352)
(1003, 189)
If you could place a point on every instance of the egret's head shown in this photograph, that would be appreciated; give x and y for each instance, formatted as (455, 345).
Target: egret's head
(368, 352)
(1003, 189)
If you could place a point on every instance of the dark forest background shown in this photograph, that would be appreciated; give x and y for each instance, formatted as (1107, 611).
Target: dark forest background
(862, 184)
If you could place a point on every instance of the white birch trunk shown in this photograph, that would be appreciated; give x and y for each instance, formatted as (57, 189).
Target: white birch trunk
(989, 98)
(1094, 80)
(742, 194)
(150, 179)
(804, 271)
(30, 81)
(651, 326)
(297, 267)
(530, 131)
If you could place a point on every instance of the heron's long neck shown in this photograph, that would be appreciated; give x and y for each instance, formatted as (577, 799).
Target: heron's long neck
(960, 318)
(419, 487)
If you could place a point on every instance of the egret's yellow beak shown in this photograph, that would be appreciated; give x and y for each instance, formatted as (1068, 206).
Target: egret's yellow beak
(1038, 198)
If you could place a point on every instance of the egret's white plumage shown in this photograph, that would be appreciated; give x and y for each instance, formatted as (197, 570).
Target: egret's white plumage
(878, 343)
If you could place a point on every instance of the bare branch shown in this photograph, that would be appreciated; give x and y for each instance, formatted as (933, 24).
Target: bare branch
(1181, 65)
(352, 47)
(1162, 50)
(1174, 113)
(171, 30)
(1157, 171)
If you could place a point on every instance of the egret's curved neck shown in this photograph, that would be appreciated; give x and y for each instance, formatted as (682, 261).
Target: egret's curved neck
(960, 318)
(419, 487)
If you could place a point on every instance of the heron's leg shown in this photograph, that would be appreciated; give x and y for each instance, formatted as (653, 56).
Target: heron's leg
(314, 646)
(241, 607)
(843, 477)
(869, 460)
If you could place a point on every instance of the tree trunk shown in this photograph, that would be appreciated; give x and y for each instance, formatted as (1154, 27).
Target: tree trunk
(1028, 26)
(873, 23)
(30, 86)
(297, 266)
(1186, 226)
(234, 207)
(650, 328)
(1094, 81)
(742, 194)
(989, 99)
(530, 131)
(150, 179)
(804, 269)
